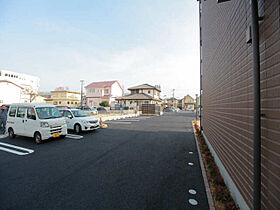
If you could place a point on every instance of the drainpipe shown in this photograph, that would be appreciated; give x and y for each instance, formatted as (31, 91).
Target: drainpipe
(200, 66)
(257, 104)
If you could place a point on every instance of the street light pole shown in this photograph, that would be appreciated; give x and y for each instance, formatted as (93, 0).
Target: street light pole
(173, 97)
(82, 87)
(196, 106)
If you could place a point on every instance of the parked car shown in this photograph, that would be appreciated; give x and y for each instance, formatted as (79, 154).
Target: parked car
(89, 110)
(65, 107)
(40, 121)
(101, 110)
(168, 109)
(78, 120)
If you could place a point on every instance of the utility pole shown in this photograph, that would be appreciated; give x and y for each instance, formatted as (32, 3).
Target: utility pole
(82, 87)
(173, 97)
(196, 106)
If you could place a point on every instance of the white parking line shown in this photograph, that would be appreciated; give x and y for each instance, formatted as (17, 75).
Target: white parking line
(73, 136)
(25, 150)
(119, 122)
(128, 120)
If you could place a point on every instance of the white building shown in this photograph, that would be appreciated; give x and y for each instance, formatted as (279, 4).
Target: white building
(16, 87)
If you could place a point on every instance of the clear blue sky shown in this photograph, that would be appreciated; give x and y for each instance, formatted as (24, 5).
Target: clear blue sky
(133, 41)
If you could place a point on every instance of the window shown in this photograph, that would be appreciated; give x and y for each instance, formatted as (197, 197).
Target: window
(67, 114)
(92, 90)
(137, 91)
(72, 102)
(59, 102)
(48, 112)
(31, 114)
(55, 103)
(149, 91)
(21, 112)
(68, 102)
(12, 112)
(62, 94)
(55, 95)
(106, 91)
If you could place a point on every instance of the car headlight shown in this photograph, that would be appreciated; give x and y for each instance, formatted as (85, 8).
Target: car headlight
(85, 122)
(44, 124)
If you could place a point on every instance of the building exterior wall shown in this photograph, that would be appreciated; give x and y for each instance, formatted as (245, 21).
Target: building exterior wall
(24, 80)
(95, 95)
(151, 92)
(10, 93)
(65, 98)
(227, 83)
(188, 102)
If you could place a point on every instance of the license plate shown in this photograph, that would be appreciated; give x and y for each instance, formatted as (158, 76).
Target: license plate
(55, 135)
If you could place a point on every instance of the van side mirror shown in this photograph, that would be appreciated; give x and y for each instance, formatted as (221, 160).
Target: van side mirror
(70, 116)
(33, 117)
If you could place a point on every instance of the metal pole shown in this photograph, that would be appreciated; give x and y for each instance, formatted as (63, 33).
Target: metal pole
(200, 66)
(196, 107)
(82, 86)
(173, 97)
(257, 105)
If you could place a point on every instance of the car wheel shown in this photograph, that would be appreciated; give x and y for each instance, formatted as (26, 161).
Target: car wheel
(38, 138)
(11, 133)
(62, 136)
(77, 128)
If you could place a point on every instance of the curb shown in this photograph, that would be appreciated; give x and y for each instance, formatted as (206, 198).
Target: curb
(206, 184)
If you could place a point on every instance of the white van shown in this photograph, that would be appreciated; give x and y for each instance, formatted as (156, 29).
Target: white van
(40, 121)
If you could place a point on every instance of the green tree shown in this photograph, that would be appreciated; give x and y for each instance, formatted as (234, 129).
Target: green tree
(104, 103)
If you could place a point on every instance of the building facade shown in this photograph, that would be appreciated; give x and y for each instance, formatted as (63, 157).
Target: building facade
(10, 92)
(227, 101)
(64, 98)
(188, 102)
(141, 94)
(96, 92)
(11, 81)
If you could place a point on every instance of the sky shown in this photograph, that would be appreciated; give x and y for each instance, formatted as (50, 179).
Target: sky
(132, 41)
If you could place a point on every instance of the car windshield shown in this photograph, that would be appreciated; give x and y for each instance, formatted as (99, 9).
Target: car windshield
(48, 112)
(79, 113)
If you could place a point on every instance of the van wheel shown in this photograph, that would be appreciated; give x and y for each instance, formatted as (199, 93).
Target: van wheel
(77, 128)
(38, 138)
(11, 133)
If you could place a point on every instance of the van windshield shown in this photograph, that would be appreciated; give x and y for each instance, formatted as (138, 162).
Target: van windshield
(48, 112)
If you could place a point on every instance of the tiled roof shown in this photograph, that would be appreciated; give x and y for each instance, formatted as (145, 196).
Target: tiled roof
(144, 86)
(137, 96)
(101, 84)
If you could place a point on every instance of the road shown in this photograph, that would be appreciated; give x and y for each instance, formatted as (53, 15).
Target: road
(137, 163)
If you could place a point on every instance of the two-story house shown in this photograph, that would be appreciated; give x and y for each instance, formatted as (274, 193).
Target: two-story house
(141, 94)
(96, 92)
(188, 102)
(64, 98)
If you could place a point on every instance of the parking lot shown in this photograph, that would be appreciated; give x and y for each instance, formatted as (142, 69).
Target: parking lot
(136, 163)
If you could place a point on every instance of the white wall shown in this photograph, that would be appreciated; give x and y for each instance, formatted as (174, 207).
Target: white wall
(9, 93)
(116, 90)
(23, 80)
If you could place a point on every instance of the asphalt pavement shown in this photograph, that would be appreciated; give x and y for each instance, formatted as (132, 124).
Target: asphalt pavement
(136, 163)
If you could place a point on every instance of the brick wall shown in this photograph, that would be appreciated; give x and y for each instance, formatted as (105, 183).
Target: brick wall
(228, 93)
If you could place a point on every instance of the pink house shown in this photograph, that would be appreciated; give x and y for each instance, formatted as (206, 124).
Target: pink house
(97, 92)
